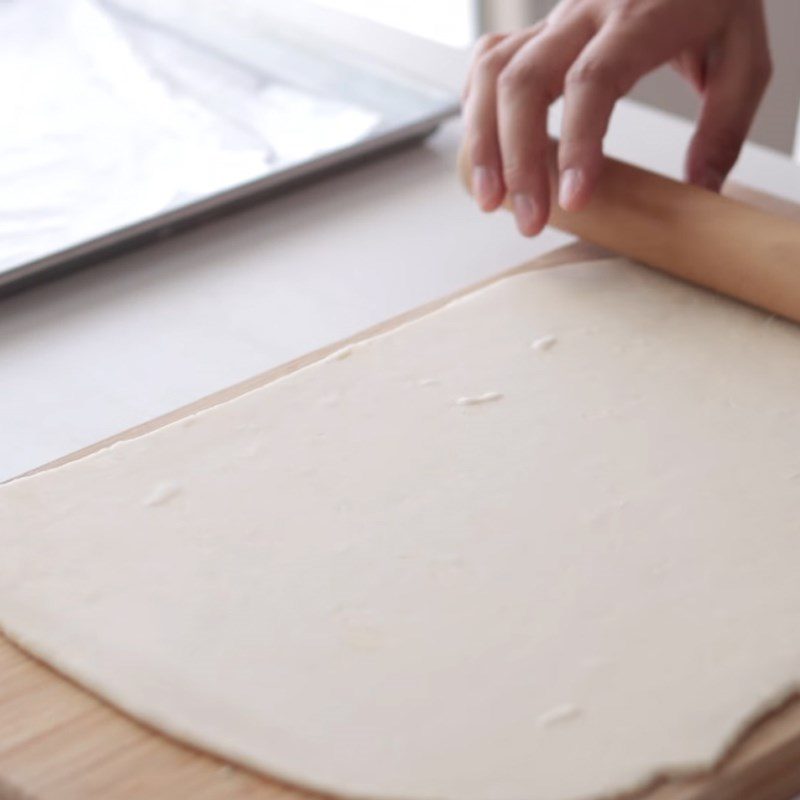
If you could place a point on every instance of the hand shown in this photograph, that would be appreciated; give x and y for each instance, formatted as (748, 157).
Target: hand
(593, 52)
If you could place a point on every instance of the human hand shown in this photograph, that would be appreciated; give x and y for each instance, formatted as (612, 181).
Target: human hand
(593, 52)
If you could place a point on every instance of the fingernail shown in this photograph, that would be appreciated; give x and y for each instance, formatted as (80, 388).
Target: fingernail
(709, 178)
(569, 188)
(526, 214)
(485, 185)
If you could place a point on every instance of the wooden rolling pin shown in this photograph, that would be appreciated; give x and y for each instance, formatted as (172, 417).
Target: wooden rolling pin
(692, 233)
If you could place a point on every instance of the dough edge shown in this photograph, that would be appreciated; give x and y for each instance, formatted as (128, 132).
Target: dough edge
(748, 728)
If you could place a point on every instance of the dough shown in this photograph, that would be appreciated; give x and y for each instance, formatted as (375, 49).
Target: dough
(450, 562)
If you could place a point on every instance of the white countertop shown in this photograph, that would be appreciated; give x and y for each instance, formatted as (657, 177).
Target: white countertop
(122, 342)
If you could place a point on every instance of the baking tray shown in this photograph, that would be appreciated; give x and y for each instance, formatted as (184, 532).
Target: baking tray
(132, 126)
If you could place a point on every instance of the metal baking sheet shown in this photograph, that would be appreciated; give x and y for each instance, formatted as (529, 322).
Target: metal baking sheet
(120, 127)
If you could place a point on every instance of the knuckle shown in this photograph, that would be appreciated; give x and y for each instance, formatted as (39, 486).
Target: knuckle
(534, 78)
(511, 80)
(595, 73)
(487, 41)
(491, 63)
(519, 77)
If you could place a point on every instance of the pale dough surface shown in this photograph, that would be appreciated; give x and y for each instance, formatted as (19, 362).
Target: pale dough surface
(449, 564)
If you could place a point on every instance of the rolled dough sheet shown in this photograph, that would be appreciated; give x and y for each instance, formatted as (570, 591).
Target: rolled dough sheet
(451, 562)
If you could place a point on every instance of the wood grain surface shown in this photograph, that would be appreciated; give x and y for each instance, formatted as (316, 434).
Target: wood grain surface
(59, 742)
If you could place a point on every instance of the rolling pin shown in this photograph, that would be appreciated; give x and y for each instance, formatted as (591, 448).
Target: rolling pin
(691, 233)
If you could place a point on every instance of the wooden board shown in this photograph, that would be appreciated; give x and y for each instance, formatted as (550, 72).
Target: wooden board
(59, 742)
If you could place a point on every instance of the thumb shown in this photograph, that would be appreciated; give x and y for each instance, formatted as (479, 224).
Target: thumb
(737, 75)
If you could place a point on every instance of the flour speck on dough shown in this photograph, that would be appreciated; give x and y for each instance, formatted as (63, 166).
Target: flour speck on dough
(558, 715)
(486, 397)
(543, 343)
(162, 494)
